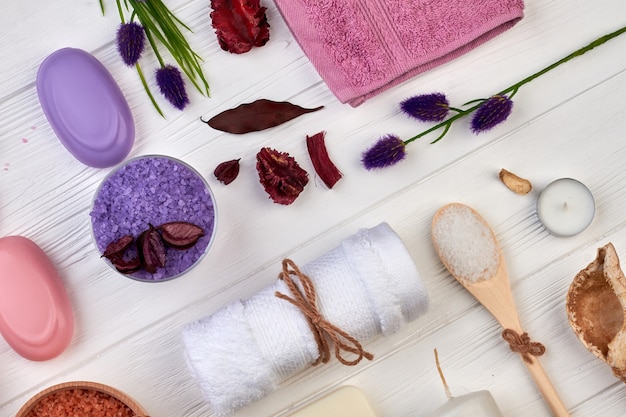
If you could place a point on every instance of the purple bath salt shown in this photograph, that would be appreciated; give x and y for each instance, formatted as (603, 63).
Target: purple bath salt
(154, 190)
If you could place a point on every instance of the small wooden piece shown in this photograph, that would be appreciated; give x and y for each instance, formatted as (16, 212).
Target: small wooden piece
(514, 183)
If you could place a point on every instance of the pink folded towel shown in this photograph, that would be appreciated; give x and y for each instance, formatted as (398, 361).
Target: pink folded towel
(363, 47)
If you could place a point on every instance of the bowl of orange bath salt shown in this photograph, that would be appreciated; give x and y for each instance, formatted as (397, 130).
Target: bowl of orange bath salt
(81, 399)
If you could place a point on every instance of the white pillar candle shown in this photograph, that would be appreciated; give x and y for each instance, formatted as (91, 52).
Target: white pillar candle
(474, 404)
(565, 207)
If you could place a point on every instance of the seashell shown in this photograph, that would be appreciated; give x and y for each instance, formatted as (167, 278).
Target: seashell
(596, 307)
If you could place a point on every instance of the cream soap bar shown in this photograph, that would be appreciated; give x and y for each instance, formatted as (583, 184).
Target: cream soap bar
(347, 401)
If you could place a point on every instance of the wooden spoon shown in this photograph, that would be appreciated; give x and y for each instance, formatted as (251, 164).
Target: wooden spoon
(469, 250)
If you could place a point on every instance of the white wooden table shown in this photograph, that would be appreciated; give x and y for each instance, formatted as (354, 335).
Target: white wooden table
(569, 123)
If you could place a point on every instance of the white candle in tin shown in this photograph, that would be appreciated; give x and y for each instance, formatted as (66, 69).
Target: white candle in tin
(474, 404)
(565, 207)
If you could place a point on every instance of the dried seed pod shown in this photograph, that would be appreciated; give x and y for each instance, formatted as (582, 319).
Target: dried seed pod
(324, 167)
(258, 115)
(596, 308)
(514, 183)
(180, 235)
(280, 175)
(151, 250)
(227, 171)
(127, 266)
(117, 248)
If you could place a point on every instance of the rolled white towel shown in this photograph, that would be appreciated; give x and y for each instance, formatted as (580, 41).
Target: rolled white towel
(367, 286)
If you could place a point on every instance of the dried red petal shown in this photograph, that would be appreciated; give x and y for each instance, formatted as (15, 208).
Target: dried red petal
(239, 24)
(117, 248)
(324, 167)
(127, 266)
(226, 172)
(280, 175)
(181, 235)
(151, 250)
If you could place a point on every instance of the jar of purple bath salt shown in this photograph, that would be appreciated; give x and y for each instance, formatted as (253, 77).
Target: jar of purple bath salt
(154, 190)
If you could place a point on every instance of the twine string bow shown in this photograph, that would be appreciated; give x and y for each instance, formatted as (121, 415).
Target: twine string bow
(323, 330)
(522, 344)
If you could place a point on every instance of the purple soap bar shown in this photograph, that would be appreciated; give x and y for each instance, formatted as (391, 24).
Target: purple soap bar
(85, 108)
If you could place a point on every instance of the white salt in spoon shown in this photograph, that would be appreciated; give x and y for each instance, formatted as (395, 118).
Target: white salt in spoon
(469, 250)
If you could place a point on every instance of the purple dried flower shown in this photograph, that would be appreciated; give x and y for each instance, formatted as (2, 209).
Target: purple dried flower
(389, 150)
(426, 107)
(170, 81)
(131, 41)
(492, 112)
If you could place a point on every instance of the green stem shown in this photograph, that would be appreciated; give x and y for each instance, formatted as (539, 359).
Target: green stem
(571, 56)
(121, 11)
(145, 86)
(515, 87)
(478, 100)
(153, 45)
(447, 123)
(445, 130)
(513, 93)
(102, 6)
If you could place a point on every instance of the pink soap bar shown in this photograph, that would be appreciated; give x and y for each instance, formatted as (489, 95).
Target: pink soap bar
(36, 316)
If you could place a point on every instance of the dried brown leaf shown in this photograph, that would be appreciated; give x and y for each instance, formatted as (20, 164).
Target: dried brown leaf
(259, 115)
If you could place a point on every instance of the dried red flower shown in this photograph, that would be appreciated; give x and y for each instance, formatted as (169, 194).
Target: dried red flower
(117, 248)
(116, 251)
(151, 250)
(127, 266)
(181, 235)
(280, 175)
(239, 24)
(150, 246)
(226, 172)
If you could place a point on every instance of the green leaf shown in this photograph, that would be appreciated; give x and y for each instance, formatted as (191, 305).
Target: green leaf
(163, 27)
